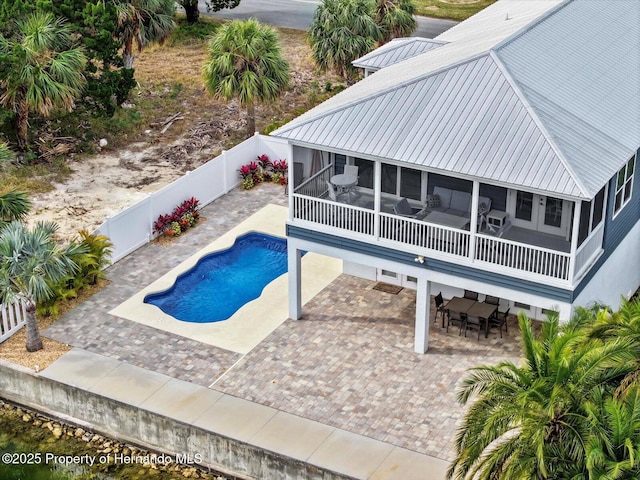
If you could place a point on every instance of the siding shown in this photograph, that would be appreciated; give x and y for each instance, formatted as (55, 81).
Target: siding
(513, 283)
(616, 229)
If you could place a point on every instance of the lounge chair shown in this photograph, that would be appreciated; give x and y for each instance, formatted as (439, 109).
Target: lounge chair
(403, 209)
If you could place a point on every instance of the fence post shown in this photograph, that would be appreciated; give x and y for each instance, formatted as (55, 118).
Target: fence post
(225, 173)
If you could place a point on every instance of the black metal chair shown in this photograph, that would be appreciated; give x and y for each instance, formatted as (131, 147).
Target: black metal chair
(492, 300)
(456, 318)
(439, 308)
(471, 295)
(500, 319)
(473, 323)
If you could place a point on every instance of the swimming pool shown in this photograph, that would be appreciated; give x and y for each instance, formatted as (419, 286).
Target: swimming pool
(222, 282)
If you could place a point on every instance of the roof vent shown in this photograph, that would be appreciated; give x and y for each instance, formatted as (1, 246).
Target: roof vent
(507, 17)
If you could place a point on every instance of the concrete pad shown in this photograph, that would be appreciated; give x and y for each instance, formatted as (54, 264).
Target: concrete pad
(403, 464)
(255, 320)
(351, 454)
(181, 400)
(80, 368)
(129, 384)
(293, 436)
(235, 418)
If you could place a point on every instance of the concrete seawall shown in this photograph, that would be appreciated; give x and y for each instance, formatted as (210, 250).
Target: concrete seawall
(148, 429)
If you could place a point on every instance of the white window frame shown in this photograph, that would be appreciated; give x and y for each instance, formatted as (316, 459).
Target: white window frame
(628, 182)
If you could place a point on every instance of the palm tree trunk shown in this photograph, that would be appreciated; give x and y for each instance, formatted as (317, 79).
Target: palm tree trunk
(34, 342)
(127, 54)
(251, 120)
(191, 10)
(22, 124)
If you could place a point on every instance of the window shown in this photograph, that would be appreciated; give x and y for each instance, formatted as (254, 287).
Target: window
(401, 181)
(365, 172)
(624, 184)
(591, 214)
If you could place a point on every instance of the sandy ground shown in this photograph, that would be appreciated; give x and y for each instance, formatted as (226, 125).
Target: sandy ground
(104, 184)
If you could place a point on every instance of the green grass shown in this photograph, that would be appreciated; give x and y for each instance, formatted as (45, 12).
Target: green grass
(186, 34)
(35, 178)
(450, 9)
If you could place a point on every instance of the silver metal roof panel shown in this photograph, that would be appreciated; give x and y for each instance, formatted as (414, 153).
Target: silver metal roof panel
(395, 51)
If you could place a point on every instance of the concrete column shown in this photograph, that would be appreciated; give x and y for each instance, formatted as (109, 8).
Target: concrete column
(423, 304)
(294, 259)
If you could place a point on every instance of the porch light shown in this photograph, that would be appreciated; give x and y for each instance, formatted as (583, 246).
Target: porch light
(419, 259)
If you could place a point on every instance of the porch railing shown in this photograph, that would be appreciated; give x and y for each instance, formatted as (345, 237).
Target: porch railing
(589, 248)
(332, 214)
(426, 235)
(316, 186)
(432, 238)
(14, 317)
(527, 258)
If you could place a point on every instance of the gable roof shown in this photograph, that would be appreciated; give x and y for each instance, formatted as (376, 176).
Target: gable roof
(395, 51)
(548, 99)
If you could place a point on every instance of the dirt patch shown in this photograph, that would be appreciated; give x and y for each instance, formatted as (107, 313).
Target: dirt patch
(14, 350)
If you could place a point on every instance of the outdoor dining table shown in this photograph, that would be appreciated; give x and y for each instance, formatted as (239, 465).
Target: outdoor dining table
(345, 183)
(474, 308)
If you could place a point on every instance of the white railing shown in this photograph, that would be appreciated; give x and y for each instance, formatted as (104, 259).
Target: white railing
(526, 258)
(425, 235)
(587, 251)
(315, 186)
(14, 317)
(332, 214)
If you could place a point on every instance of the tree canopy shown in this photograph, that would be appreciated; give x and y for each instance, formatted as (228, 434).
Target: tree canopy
(246, 62)
(570, 410)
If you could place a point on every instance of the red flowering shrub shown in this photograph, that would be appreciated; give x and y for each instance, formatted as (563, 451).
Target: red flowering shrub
(183, 216)
(263, 170)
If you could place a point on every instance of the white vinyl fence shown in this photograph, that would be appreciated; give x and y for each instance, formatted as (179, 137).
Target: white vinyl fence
(14, 317)
(133, 227)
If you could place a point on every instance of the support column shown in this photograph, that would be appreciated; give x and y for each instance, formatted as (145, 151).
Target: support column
(473, 225)
(294, 259)
(575, 231)
(377, 182)
(423, 305)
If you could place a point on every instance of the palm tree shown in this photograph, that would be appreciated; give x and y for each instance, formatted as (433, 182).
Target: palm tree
(530, 421)
(14, 205)
(142, 22)
(41, 70)
(30, 261)
(246, 62)
(395, 18)
(613, 448)
(6, 155)
(342, 31)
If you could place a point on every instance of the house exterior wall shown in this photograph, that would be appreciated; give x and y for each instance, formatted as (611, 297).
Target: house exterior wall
(615, 241)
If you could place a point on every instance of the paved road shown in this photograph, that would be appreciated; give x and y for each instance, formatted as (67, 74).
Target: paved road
(297, 14)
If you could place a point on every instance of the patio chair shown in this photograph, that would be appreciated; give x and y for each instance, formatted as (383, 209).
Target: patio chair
(471, 295)
(500, 320)
(492, 300)
(473, 323)
(456, 318)
(439, 308)
(351, 170)
(332, 193)
(403, 209)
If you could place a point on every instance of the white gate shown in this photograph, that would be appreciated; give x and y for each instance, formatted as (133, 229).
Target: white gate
(14, 317)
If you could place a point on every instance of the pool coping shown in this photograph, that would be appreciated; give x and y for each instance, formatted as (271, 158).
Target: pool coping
(254, 321)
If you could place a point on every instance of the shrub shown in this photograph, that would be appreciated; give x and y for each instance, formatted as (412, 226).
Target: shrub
(263, 170)
(184, 216)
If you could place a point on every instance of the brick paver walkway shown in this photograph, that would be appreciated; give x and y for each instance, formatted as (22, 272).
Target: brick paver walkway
(349, 363)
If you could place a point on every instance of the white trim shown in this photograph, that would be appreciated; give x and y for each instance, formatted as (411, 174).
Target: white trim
(626, 181)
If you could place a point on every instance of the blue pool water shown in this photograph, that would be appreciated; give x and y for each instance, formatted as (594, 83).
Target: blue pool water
(222, 282)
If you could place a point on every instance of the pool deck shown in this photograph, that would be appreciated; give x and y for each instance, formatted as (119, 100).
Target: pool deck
(341, 388)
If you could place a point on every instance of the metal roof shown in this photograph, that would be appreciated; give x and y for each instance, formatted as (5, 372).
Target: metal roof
(395, 51)
(554, 105)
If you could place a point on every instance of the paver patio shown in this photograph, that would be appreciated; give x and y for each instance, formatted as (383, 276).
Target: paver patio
(348, 363)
